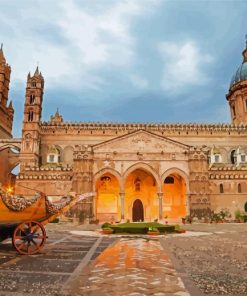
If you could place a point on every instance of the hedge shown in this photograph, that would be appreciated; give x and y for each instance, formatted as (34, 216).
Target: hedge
(141, 228)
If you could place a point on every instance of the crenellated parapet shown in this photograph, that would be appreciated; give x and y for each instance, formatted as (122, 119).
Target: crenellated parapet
(52, 127)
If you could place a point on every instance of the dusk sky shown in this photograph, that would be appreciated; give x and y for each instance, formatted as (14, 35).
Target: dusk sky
(125, 61)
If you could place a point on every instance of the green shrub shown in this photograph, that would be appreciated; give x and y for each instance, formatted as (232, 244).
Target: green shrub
(153, 229)
(141, 228)
(105, 225)
(107, 228)
(238, 215)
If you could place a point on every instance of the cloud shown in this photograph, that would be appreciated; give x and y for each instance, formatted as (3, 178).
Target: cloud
(139, 82)
(183, 66)
(72, 41)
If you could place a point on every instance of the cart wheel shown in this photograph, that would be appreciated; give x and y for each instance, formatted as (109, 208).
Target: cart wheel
(29, 237)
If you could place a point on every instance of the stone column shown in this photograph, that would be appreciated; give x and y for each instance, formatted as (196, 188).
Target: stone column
(122, 205)
(187, 203)
(94, 205)
(160, 197)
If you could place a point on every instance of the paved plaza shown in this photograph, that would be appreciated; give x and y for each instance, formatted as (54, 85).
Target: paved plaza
(132, 266)
(206, 260)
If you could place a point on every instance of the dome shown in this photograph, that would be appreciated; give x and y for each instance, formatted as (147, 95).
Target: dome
(240, 75)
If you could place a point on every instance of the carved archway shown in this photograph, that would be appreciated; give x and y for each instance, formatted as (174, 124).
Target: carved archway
(111, 171)
(145, 167)
(178, 171)
(107, 205)
(141, 183)
(10, 146)
(175, 188)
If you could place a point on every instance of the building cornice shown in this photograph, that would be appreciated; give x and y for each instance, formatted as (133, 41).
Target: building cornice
(47, 127)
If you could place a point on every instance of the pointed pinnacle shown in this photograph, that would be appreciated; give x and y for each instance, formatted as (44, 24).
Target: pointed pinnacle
(2, 58)
(10, 105)
(36, 73)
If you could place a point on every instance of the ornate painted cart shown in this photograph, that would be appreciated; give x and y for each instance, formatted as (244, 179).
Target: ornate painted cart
(24, 219)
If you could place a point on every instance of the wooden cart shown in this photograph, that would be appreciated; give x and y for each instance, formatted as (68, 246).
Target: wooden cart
(24, 219)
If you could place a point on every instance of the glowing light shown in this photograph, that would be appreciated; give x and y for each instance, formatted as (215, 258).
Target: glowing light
(9, 189)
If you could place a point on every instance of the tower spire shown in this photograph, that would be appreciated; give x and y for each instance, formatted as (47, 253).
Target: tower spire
(2, 58)
(36, 73)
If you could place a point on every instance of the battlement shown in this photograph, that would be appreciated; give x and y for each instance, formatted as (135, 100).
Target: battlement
(195, 128)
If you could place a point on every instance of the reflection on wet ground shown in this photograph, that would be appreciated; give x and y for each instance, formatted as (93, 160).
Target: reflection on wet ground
(131, 267)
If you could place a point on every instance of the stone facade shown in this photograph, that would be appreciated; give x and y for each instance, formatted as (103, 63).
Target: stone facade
(137, 171)
(6, 121)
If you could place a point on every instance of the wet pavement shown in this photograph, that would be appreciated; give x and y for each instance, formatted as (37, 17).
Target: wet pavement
(48, 272)
(132, 266)
(206, 260)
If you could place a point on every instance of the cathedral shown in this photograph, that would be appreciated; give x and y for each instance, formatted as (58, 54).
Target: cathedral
(135, 171)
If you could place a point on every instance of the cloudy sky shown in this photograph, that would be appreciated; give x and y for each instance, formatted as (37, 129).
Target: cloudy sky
(125, 60)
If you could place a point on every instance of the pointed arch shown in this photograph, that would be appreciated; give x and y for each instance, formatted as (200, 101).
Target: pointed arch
(178, 171)
(11, 146)
(115, 173)
(145, 167)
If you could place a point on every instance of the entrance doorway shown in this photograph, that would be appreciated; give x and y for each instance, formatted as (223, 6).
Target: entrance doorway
(137, 211)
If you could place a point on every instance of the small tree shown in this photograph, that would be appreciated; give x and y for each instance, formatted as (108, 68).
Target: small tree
(238, 215)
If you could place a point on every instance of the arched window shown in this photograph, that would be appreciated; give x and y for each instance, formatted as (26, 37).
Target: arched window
(105, 179)
(169, 180)
(245, 207)
(137, 184)
(32, 99)
(30, 116)
(217, 158)
(239, 188)
(221, 188)
(53, 155)
(233, 157)
(233, 111)
(243, 158)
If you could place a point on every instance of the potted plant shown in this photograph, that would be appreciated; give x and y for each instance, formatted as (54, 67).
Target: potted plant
(153, 231)
(107, 230)
(180, 230)
(239, 216)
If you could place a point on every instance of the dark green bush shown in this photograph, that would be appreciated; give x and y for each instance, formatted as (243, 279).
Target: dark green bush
(107, 228)
(141, 228)
(105, 225)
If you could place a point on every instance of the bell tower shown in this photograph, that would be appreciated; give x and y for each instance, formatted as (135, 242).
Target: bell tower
(237, 95)
(31, 120)
(6, 111)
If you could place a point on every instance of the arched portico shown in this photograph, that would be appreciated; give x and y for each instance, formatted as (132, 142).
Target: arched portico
(116, 193)
(175, 192)
(112, 172)
(140, 194)
(107, 203)
(145, 167)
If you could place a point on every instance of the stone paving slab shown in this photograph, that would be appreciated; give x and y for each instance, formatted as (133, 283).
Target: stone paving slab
(46, 273)
(215, 264)
(130, 267)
